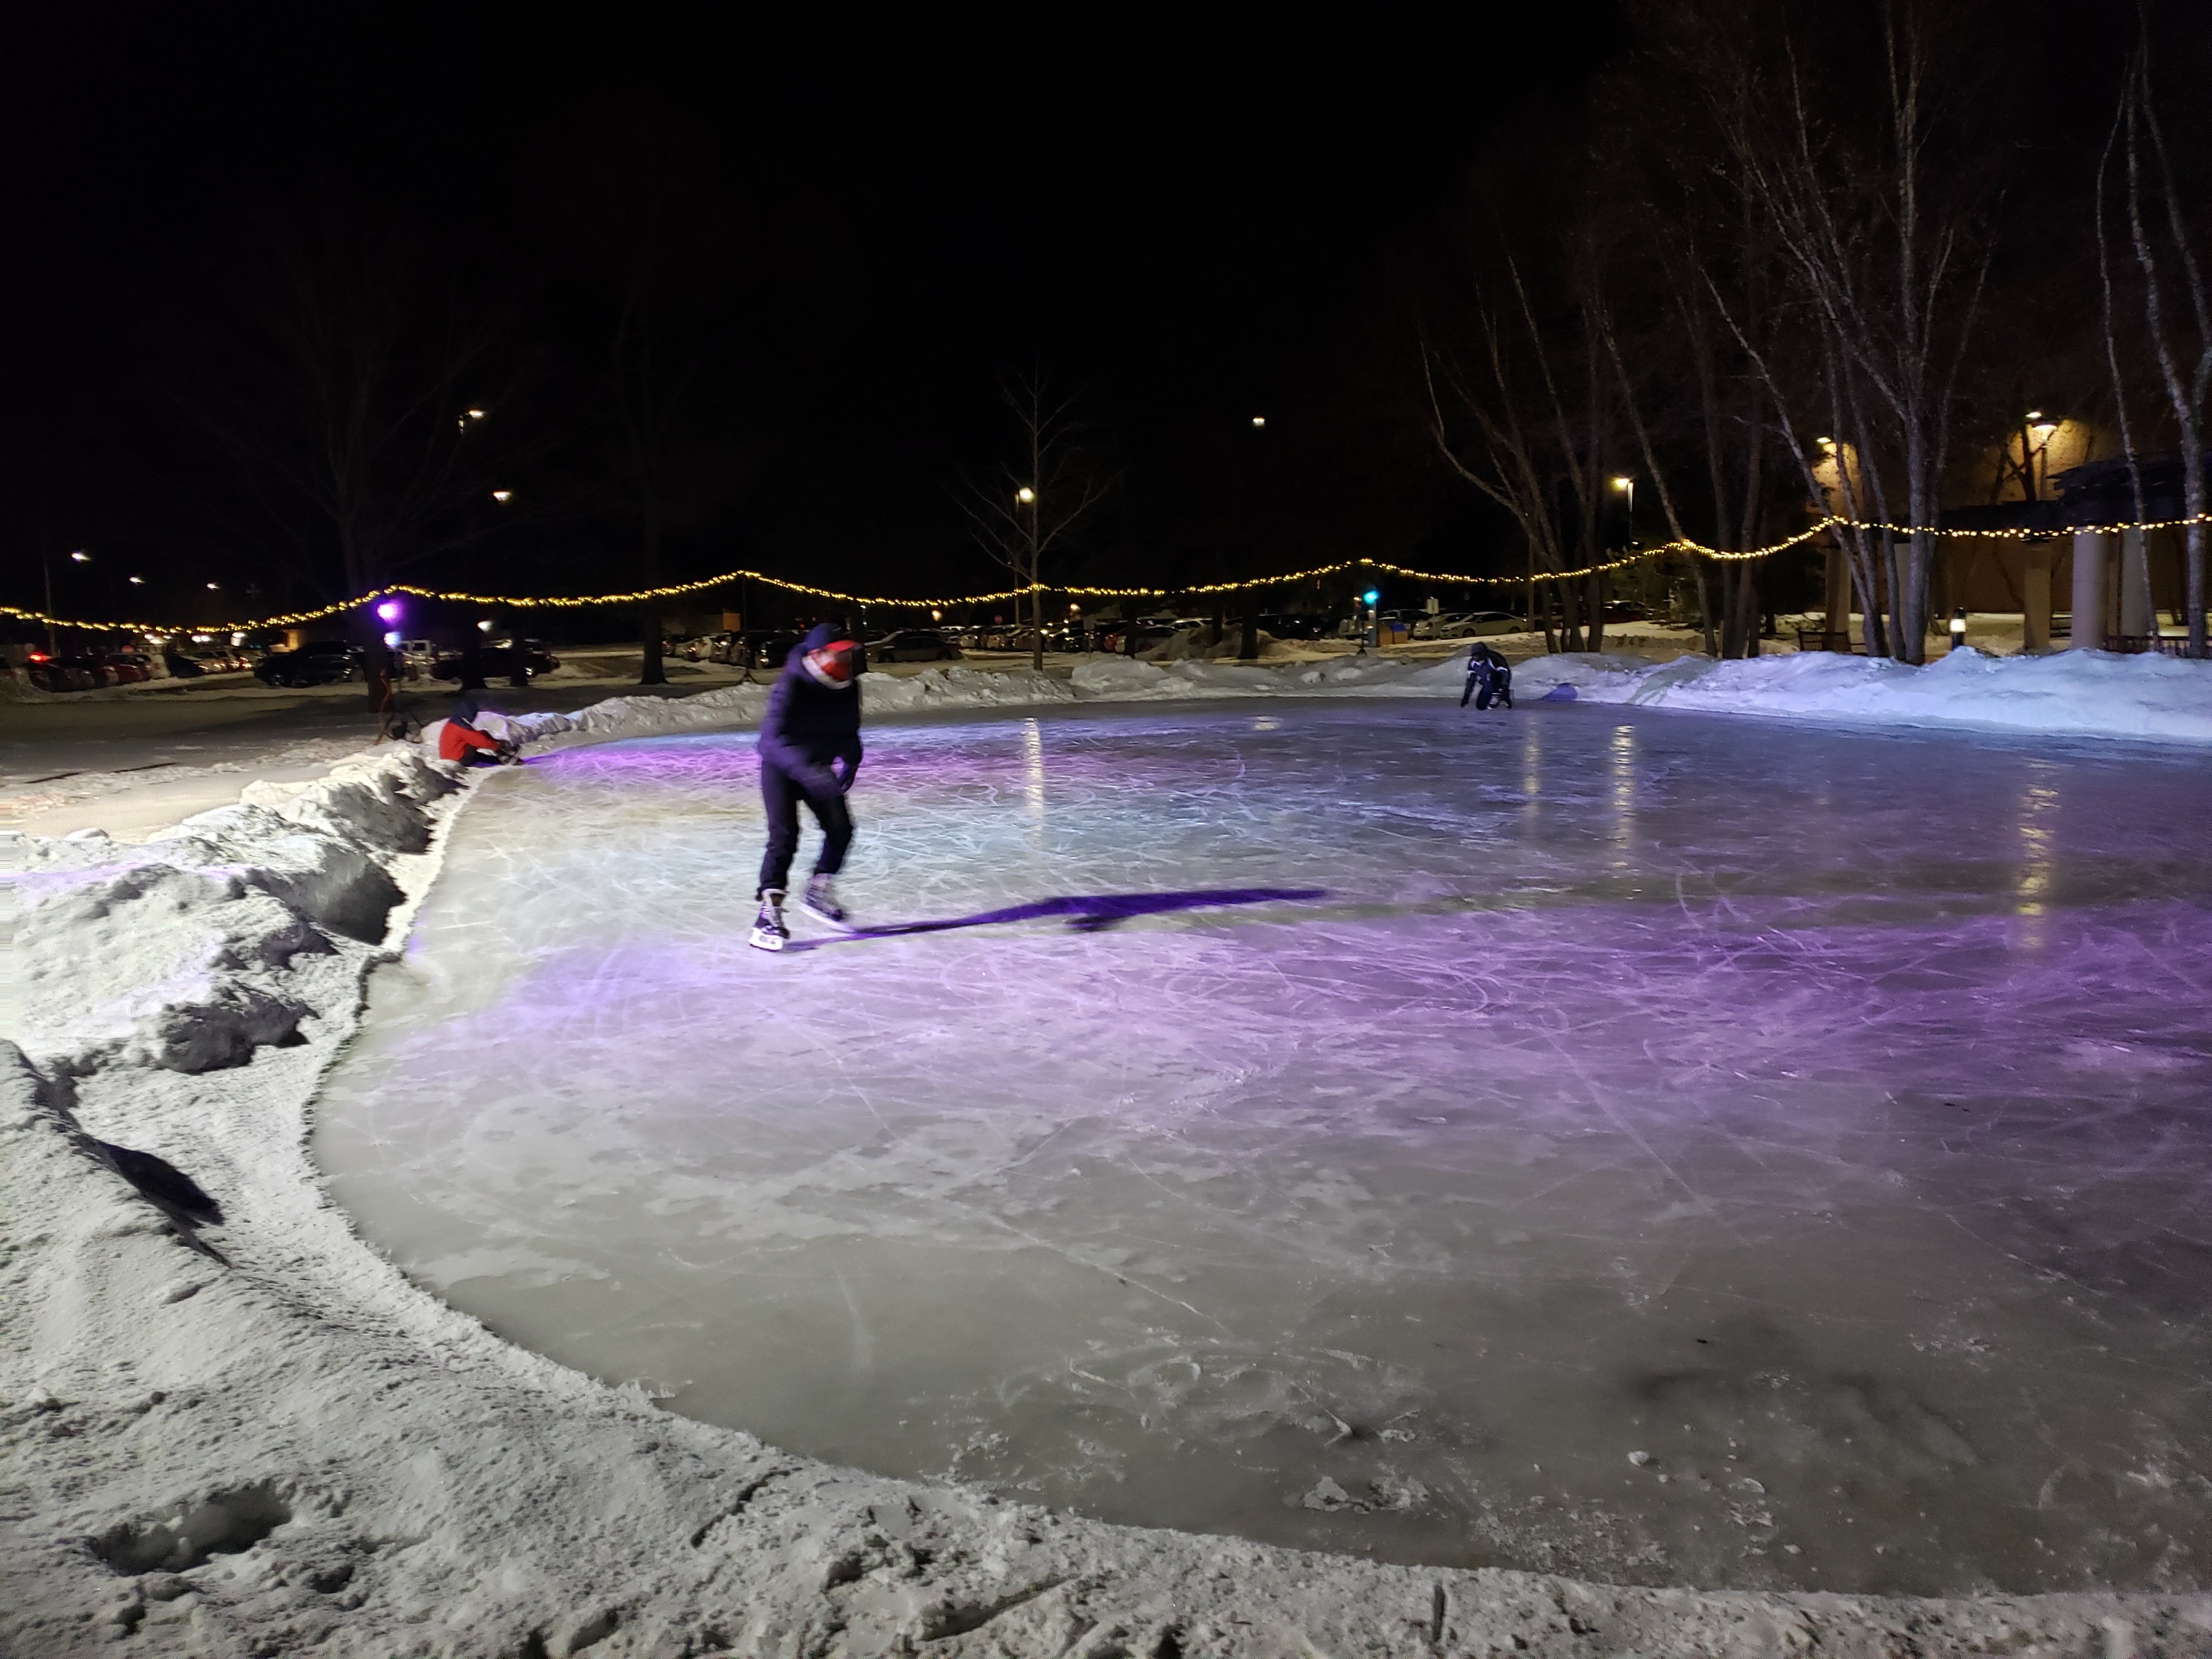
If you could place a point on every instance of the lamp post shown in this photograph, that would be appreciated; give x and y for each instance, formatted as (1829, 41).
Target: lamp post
(2035, 452)
(46, 568)
(1026, 497)
(1248, 644)
(1627, 487)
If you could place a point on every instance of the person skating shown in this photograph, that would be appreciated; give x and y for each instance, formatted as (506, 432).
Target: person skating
(1489, 678)
(813, 723)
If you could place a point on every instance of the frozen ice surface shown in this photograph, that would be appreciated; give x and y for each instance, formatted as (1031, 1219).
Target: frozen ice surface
(1649, 1146)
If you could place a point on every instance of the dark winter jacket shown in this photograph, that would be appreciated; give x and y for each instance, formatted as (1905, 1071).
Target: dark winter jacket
(808, 725)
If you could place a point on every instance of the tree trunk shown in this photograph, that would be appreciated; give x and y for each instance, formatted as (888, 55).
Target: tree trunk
(1036, 622)
(652, 669)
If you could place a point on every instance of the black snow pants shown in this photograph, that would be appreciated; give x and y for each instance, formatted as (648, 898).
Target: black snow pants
(1487, 689)
(781, 793)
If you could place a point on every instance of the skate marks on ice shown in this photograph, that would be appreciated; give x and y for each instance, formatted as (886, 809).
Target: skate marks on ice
(1673, 1151)
(1085, 916)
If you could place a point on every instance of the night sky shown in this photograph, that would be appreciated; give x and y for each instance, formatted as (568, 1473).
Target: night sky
(1185, 226)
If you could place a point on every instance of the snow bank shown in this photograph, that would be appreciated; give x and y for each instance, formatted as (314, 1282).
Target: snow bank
(229, 1428)
(2087, 693)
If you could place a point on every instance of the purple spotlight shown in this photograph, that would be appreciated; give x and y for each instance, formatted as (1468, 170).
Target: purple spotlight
(389, 610)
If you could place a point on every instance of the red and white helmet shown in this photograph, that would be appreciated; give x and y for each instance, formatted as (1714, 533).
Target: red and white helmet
(833, 665)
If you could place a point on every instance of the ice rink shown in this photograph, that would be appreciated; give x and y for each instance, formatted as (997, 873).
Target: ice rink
(1661, 1146)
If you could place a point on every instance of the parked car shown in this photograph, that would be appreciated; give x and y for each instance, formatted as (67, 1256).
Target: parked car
(496, 660)
(1625, 610)
(751, 648)
(318, 662)
(1476, 624)
(58, 671)
(188, 662)
(914, 645)
(127, 667)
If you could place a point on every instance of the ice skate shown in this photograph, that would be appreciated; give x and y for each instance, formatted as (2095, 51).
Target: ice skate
(768, 932)
(820, 902)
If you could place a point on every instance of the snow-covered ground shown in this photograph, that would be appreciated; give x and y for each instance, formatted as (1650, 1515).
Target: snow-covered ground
(2086, 693)
(250, 1434)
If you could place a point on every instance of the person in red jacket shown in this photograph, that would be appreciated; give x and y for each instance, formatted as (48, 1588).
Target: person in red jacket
(459, 740)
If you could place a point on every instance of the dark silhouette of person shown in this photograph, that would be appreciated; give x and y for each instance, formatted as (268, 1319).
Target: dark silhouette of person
(1489, 678)
(811, 727)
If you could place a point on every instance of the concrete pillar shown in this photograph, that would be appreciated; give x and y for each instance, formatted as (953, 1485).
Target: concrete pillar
(2089, 576)
(2137, 616)
(2035, 594)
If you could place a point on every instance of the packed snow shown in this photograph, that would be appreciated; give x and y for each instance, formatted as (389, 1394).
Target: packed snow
(229, 1427)
(2087, 693)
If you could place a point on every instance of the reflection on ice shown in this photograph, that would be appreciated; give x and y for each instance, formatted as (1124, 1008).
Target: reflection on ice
(1676, 1149)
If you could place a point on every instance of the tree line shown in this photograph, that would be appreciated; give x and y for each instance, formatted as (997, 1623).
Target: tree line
(1802, 263)
(1773, 262)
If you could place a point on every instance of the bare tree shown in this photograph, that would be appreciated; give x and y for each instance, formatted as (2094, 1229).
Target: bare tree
(1526, 414)
(653, 379)
(1021, 512)
(2157, 229)
(1891, 270)
(1722, 420)
(343, 401)
(666, 266)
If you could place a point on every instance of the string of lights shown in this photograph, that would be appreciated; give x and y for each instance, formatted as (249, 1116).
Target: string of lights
(680, 590)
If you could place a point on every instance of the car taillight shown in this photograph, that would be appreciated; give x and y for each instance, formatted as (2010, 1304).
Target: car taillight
(40, 656)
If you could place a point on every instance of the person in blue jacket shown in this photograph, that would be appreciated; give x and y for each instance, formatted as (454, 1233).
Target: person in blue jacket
(809, 748)
(1489, 678)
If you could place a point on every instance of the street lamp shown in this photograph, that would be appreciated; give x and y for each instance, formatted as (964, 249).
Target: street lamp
(1627, 487)
(502, 496)
(1258, 420)
(138, 581)
(1958, 628)
(1026, 496)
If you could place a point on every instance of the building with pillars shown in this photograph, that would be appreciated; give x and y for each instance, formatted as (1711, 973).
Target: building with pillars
(2085, 588)
(2073, 585)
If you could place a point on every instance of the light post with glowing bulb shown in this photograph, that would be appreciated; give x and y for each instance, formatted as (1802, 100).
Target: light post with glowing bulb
(1026, 497)
(47, 569)
(2034, 453)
